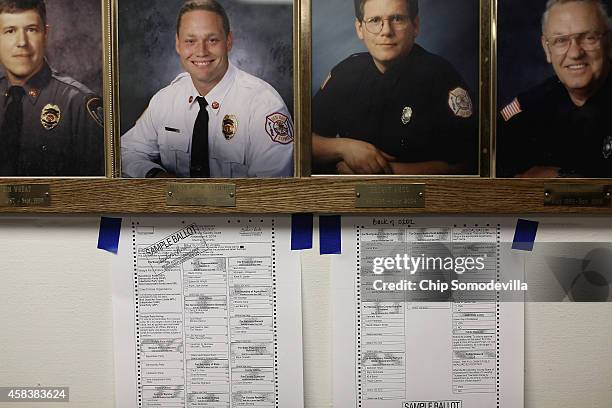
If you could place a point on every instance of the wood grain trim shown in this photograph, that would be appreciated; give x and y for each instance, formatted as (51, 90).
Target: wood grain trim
(317, 195)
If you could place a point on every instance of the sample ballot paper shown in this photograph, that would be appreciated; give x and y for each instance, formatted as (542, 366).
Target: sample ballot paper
(207, 313)
(408, 329)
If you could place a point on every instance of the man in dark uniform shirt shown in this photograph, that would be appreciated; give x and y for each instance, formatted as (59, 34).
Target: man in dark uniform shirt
(563, 127)
(50, 125)
(397, 109)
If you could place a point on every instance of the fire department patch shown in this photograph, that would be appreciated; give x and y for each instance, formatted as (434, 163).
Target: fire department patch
(230, 126)
(96, 111)
(279, 128)
(460, 103)
(50, 116)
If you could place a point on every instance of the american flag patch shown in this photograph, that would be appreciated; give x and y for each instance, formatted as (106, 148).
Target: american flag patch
(512, 109)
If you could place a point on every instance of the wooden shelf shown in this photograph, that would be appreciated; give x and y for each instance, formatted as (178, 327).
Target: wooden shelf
(332, 195)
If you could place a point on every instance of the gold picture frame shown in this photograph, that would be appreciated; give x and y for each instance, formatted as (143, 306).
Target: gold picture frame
(294, 36)
(484, 91)
(303, 193)
(111, 88)
(61, 17)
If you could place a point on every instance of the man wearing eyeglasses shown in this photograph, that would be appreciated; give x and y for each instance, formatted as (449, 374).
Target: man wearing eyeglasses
(396, 109)
(563, 127)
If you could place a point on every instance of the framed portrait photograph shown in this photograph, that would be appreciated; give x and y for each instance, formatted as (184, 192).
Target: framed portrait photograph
(554, 89)
(51, 85)
(395, 87)
(206, 88)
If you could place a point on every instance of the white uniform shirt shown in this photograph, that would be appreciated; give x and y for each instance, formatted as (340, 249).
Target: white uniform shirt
(250, 133)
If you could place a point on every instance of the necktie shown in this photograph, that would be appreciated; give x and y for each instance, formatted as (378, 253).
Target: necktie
(199, 143)
(10, 132)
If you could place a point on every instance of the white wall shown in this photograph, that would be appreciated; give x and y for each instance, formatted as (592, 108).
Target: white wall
(55, 309)
(56, 320)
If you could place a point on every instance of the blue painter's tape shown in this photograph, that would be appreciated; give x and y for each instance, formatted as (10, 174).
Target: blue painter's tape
(108, 238)
(525, 235)
(301, 231)
(330, 231)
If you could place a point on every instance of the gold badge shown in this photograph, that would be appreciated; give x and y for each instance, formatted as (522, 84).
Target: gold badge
(50, 116)
(460, 103)
(230, 126)
(406, 115)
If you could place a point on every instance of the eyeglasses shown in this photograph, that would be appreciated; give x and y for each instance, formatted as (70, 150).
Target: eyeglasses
(397, 22)
(588, 41)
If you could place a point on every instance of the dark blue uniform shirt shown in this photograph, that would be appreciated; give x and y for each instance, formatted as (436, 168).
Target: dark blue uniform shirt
(545, 128)
(62, 132)
(418, 110)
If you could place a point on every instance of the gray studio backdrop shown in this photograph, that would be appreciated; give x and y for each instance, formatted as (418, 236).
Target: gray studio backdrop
(263, 46)
(74, 46)
(448, 28)
(521, 60)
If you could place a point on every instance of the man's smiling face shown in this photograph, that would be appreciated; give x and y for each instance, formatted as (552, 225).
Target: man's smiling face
(581, 71)
(203, 48)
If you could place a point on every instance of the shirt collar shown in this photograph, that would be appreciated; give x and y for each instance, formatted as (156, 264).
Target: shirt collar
(399, 68)
(39, 81)
(4, 86)
(35, 84)
(565, 102)
(215, 96)
(604, 92)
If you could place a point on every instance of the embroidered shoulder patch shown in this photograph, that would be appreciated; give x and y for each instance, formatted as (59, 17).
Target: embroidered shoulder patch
(511, 110)
(95, 110)
(460, 103)
(279, 128)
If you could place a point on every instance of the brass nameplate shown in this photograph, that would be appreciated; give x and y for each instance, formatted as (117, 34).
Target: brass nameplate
(577, 195)
(24, 195)
(390, 196)
(209, 195)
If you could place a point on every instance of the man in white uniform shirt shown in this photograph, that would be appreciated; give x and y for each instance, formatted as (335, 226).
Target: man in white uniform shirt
(215, 120)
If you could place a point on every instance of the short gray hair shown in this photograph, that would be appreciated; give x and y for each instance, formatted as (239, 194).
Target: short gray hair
(603, 10)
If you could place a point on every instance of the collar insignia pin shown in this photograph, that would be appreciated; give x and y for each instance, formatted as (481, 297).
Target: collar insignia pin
(215, 105)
